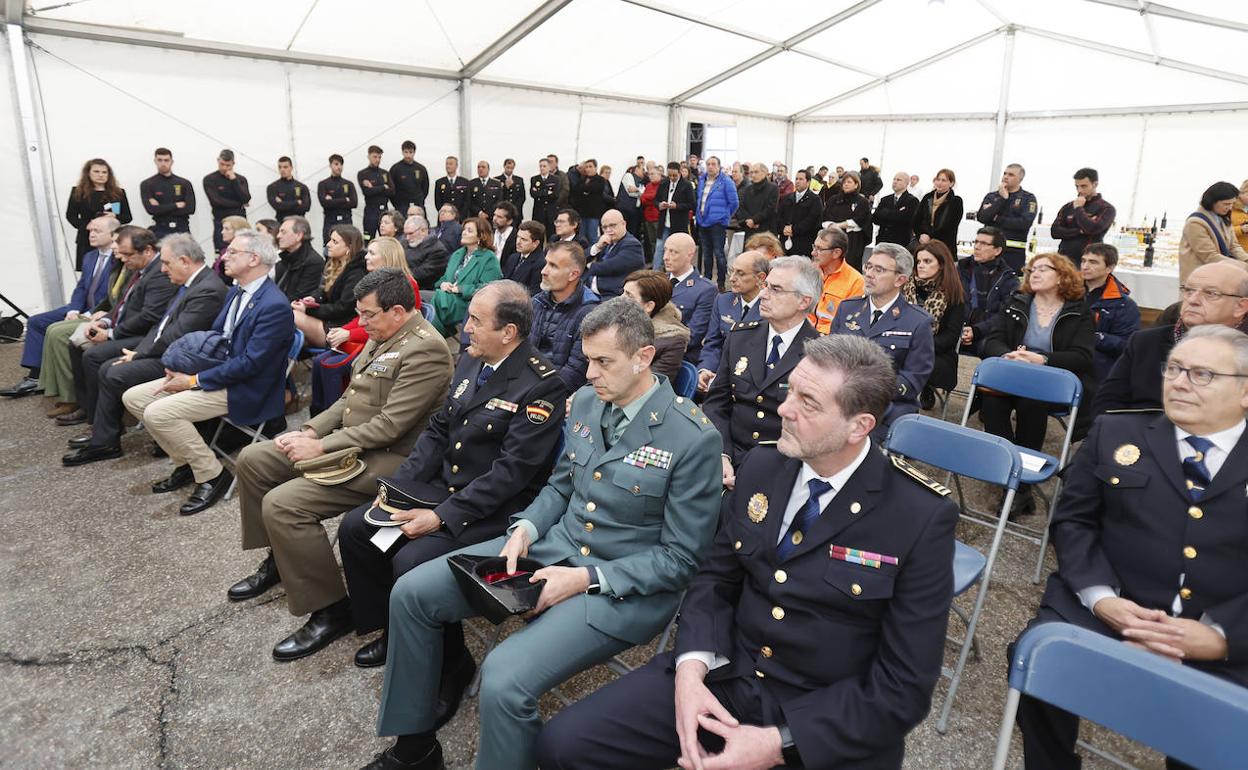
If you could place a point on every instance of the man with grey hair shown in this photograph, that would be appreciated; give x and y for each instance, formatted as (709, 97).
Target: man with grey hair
(298, 272)
(841, 280)
(1012, 209)
(623, 521)
(196, 303)
(426, 254)
(746, 277)
(758, 358)
(1150, 532)
(901, 329)
(248, 386)
(750, 683)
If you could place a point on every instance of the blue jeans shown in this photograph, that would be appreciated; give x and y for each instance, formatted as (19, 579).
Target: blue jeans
(711, 249)
(590, 230)
(658, 248)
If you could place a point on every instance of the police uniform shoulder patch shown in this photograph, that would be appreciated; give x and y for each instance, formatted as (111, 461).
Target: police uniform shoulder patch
(539, 411)
(541, 367)
(745, 325)
(919, 476)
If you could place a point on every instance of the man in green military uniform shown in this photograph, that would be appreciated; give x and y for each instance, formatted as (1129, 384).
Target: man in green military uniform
(623, 522)
(397, 382)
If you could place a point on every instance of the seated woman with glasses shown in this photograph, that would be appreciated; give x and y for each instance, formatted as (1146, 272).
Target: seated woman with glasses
(1046, 323)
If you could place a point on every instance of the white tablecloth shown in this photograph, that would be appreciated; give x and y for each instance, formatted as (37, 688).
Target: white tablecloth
(1156, 287)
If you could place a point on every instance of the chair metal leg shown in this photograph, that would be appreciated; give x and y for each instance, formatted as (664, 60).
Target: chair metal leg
(965, 621)
(1044, 537)
(475, 686)
(1007, 729)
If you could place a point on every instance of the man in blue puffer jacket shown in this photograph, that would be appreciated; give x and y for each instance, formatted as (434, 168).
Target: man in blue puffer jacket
(558, 309)
(716, 202)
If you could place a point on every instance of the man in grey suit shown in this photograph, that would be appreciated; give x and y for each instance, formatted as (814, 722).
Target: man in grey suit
(624, 521)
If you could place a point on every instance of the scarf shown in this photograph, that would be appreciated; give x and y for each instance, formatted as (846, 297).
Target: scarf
(935, 303)
(938, 200)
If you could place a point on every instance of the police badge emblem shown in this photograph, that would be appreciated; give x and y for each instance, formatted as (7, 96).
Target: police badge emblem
(1127, 454)
(757, 508)
(742, 364)
(460, 388)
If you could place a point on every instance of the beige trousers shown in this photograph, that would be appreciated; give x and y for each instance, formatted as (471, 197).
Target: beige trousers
(170, 420)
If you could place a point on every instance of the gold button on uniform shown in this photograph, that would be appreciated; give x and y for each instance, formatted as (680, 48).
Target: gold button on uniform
(1189, 552)
(571, 455)
(855, 589)
(760, 415)
(797, 537)
(459, 444)
(358, 376)
(1195, 512)
(759, 674)
(590, 506)
(781, 576)
(597, 475)
(1185, 593)
(736, 546)
(589, 526)
(352, 391)
(1113, 480)
(754, 435)
(759, 400)
(450, 489)
(777, 613)
(766, 651)
(454, 469)
(584, 550)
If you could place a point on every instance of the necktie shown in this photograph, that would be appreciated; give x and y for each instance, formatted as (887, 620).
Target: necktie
(169, 313)
(486, 371)
(745, 309)
(875, 316)
(803, 520)
(121, 305)
(674, 281)
(1194, 468)
(774, 355)
(612, 425)
(101, 265)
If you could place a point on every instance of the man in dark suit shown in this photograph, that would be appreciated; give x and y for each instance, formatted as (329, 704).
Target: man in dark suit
(97, 270)
(197, 302)
(169, 198)
(337, 196)
(227, 193)
(825, 544)
(1213, 294)
(544, 190)
(895, 213)
(801, 215)
(675, 201)
(746, 277)
(249, 386)
(759, 356)
(452, 189)
(524, 264)
(484, 191)
(512, 186)
(1150, 531)
(693, 294)
(504, 217)
(410, 178)
(299, 268)
(901, 329)
(287, 195)
(616, 254)
(485, 455)
(142, 305)
(567, 228)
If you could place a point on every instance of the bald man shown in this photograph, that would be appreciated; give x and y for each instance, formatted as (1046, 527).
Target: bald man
(616, 254)
(692, 293)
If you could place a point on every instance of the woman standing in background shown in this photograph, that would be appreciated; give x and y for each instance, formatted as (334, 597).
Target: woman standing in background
(97, 192)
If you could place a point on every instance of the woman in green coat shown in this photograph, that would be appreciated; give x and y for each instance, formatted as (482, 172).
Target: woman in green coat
(472, 266)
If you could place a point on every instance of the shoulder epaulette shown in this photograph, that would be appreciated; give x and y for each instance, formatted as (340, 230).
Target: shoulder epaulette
(919, 476)
(542, 367)
(686, 407)
(745, 325)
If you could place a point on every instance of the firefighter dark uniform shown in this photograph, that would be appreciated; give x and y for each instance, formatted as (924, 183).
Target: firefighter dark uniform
(1014, 216)
(747, 391)
(452, 191)
(288, 197)
(338, 199)
(167, 192)
(411, 185)
(228, 198)
(376, 195)
(545, 194)
(483, 196)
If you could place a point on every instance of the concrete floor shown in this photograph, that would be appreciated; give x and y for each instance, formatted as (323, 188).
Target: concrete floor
(118, 648)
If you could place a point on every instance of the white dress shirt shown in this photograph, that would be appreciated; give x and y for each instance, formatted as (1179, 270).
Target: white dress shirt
(786, 338)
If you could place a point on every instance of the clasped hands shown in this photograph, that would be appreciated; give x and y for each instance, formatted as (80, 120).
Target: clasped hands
(746, 747)
(1158, 632)
(299, 445)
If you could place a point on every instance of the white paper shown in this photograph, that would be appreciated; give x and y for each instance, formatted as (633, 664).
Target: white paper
(1031, 462)
(385, 537)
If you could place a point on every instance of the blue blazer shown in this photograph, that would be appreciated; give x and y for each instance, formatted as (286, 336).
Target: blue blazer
(695, 296)
(613, 265)
(79, 300)
(725, 315)
(255, 371)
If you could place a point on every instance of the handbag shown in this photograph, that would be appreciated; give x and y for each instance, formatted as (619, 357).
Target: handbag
(195, 352)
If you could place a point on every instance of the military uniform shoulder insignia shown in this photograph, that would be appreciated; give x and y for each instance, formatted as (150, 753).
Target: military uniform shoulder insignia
(919, 476)
(745, 325)
(541, 367)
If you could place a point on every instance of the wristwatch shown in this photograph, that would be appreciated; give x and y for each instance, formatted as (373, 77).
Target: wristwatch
(788, 749)
(595, 583)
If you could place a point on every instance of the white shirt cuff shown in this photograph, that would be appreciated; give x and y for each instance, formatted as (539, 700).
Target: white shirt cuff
(1208, 621)
(1093, 594)
(709, 659)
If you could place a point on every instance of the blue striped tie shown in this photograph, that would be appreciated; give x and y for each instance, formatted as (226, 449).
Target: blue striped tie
(1194, 468)
(803, 520)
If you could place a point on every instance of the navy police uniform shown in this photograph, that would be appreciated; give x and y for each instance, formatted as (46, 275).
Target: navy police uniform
(228, 198)
(515, 193)
(905, 333)
(695, 297)
(1128, 520)
(338, 199)
(485, 455)
(483, 196)
(376, 196)
(746, 393)
(168, 192)
(288, 197)
(841, 640)
(728, 311)
(452, 191)
(1014, 216)
(545, 194)
(411, 185)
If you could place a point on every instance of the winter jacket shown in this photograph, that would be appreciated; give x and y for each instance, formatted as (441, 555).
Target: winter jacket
(556, 332)
(721, 203)
(1116, 317)
(994, 283)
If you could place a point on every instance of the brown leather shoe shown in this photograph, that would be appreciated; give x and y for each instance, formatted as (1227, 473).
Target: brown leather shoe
(76, 417)
(62, 407)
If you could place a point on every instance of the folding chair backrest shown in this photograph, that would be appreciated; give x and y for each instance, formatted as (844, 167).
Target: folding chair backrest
(687, 380)
(296, 345)
(960, 450)
(1186, 714)
(1040, 383)
(426, 309)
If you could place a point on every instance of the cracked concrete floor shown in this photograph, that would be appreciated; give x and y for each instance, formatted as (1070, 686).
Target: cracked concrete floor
(119, 650)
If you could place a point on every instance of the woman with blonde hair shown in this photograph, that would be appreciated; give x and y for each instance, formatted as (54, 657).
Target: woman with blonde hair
(767, 243)
(229, 226)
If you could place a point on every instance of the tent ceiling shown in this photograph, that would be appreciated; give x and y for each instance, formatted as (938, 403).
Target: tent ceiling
(787, 58)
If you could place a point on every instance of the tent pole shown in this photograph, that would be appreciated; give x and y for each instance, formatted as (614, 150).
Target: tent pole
(36, 185)
(1003, 104)
(465, 121)
(675, 129)
(789, 126)
(1139, 167)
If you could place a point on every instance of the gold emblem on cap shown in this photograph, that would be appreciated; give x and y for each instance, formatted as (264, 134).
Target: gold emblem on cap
(740, 368)
(1127, 454)
(757, 508)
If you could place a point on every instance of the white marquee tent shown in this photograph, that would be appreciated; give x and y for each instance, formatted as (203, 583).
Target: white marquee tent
(1152, 95)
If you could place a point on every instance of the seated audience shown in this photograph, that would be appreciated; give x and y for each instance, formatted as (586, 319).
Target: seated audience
(1046, 323)
(195, 305)
(473, 265)
(752, 682)
(616, 254)
(937, 289)
(692, 294)
(229, 226)
(426, 254)
(299, 267)
(524, 264)
(940, 212)
(1207, 233)
(389, 224)
(738, 305)
(622, 542)
(1216, 293)
(758, 360)
(988, 283)
(558, 310)
(407, 368)
(567, 228)
(1239, 216)
(903, 330)
(652, 291)
(840, 280)
(334, 303)
(249, 386)
(1150, 532)
(1114, 313)
(475, 465)
(267, 227)
(448, 229)
(504, 217)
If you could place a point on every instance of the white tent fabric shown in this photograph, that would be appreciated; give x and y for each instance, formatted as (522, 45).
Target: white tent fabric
(913, 84)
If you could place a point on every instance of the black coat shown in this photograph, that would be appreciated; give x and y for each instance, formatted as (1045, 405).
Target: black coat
(684, 200)
(948, 217)
(895, 216)
(995, 282)
(526, 271)
(338, 304)
(195, 311)
(79, 214)
(146, 304)
(411, 185)
(298, 273)
(854, 207)
(427, 261)
(587, 195)
(1134, 382)
(758, 203)
(805, 216)
(945, 344)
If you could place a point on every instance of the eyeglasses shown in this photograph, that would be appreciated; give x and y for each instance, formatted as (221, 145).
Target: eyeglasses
(823, 248)
(778, 290)
(1039, 269)
(1197, 375)
(369, 315)
(1209, 295)
(985, 244)
(875, 269)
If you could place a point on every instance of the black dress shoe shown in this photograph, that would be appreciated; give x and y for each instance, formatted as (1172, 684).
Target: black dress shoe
(386, 760)
(323, 627)
(158, 452)
(28, 386)
(927, 399)
(76, 417)
(451, 691)
(90, 454)
(372, 654)
(264, 578)
(205, 495)
(181, 476)
(78, 442)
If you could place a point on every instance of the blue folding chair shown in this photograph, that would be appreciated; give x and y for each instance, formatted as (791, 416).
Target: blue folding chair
(965, 452)
(252, 431)
(1055, 386)
(687, 380)
(1186, 714)
(426, 309)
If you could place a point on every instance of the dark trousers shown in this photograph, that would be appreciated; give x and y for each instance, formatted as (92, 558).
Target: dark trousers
(218, 243)
(332, 221)
(1016, 257)
(163, 227)
(372, 216)
(328, 383)
(36, 326)
(711, 249)
(113, 381)
(86, 367)
(630, 724)
(1031, 419)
